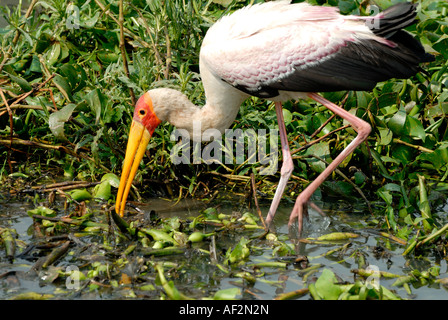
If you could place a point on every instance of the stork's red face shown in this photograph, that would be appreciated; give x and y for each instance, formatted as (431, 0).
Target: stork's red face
(143, 125)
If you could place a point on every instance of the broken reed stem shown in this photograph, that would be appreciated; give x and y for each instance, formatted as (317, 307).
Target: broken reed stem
(319, 139)
(26, 94)
(419, 148)
(17, 141)
(254, 191)
(66, 185)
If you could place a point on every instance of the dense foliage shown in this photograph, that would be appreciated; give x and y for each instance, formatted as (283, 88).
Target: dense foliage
(71, 72)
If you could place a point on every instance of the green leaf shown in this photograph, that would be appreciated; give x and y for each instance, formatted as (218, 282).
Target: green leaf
(438, 158)
(159, 235)
(80, 195)
(112, 178)
(25, 85)
(287, 116)
(397, 122)
(57, 119)
(53, 54)
(414, 128)
(62, 84)
(98, 104)
(403, 153)
(226, 294)
(321, 150)
(239, 253)
(35, 64)
(385, 136)
(326, 286)
(42, 211)
(102, 191)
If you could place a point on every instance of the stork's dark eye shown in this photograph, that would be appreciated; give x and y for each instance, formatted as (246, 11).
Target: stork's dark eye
(142, 112)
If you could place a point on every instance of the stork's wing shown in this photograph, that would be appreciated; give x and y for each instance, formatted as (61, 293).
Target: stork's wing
(303, 48)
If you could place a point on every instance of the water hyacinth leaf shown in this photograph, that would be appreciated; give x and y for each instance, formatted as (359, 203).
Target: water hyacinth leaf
(57, 120)
(112, 178)
(360, 178)
(385, 136)
(403, 153)
(239, 253)
(339, 188)
(98, 103)
(210, 213)
(102, 191)
(198, 236)
(363, 98)
(414, 128)
(287, 116)
(338, 236)
(35, 64)
(53, 55)
(91, 21)
(42, 211)
(25, 85)
(159, 235)
(62, 84)
(326, 287)
(321, 150)
(392, 187)
(75, 76)
(108, 57)
(441, 45)
(438, 158)
(227, 294)
(80, 195)
(397, 122)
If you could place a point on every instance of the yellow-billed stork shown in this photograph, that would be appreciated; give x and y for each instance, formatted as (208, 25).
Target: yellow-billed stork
(281, 51)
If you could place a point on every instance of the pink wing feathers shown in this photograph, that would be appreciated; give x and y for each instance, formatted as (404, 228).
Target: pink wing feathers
(298, 47)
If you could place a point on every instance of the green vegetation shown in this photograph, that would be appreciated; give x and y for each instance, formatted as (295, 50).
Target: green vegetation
(70, 75)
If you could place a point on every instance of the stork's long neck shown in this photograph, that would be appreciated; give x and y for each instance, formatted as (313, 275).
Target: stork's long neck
(219, 112)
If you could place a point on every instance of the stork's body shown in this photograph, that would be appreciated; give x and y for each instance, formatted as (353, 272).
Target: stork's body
(282, 51)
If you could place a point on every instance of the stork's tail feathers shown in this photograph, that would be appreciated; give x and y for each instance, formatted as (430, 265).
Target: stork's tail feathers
(393, 19)
(389, 24)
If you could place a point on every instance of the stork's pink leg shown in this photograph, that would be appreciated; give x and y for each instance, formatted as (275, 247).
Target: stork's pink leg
(287, 166)
(363, 129)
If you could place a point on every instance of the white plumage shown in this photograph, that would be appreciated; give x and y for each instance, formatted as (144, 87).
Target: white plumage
(261, 44)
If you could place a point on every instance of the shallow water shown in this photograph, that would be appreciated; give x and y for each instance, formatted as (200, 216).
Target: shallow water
(198, 277)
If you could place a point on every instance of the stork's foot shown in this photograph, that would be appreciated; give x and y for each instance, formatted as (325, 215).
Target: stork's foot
(300, 211)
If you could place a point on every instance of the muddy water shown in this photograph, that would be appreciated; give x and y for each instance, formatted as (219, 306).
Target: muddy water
(197, 272)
